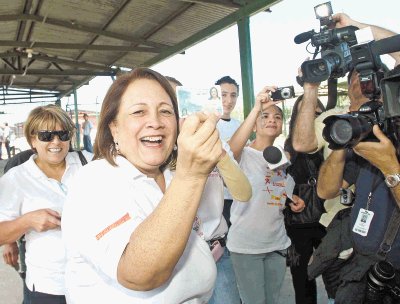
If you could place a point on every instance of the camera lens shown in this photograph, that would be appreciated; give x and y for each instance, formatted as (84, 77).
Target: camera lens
(378, 279)
(285, 93)
(341, 132)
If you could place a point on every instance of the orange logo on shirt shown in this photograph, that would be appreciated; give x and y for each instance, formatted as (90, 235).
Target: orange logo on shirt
(122, 220)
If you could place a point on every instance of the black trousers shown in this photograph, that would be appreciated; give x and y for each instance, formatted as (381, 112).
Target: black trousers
(304, 239)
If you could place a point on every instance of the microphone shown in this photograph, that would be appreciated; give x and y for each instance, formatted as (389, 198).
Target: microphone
(303, 37)
(386, 45)
(275, 157)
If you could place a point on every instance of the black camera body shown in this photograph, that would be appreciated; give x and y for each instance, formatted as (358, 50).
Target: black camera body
(335, 46)
(283, 93)
(382, 281)
(345, 131)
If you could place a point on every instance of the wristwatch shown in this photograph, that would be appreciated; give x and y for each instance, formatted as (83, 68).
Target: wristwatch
(392, 180)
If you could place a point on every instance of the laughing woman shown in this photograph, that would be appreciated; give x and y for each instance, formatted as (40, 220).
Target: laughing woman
(32, 198)
(129, 234)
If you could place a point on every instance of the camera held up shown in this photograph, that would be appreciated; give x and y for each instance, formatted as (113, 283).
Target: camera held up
(335, 46)
(346, 131)
(283, 93)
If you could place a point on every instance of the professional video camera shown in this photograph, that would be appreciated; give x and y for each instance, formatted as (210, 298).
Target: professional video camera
(345, 131)
(335, 46)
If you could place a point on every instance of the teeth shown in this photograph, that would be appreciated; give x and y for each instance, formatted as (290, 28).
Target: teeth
(54, 149)
(152, 138)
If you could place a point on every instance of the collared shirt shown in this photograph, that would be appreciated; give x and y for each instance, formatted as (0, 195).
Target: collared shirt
(97, 224)
(26, 188)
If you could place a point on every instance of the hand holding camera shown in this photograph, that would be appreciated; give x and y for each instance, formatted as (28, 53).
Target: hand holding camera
(283, 93)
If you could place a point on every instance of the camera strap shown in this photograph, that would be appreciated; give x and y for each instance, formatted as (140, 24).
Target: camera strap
(365, 215)
(390, 234)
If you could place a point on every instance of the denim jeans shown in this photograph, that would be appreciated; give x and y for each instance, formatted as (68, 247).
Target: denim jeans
(35, 297)
(87, 143)
(259, 276)
(225, 290)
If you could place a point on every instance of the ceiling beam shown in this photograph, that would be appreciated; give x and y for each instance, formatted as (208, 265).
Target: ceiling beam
(226, 3)
(45, 72)
(78, 27)
(78, 46)
(9, 64)
(44, 84)
(247, 10)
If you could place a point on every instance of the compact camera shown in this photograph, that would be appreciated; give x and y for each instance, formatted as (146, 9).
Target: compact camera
(382, 283)
(347, 197)
(283, 93)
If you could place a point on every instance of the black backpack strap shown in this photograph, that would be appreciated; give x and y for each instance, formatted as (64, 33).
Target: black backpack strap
(82, 158)
(390, 234)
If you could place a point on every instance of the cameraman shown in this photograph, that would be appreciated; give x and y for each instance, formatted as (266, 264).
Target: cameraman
(308, 138)
(307, 135)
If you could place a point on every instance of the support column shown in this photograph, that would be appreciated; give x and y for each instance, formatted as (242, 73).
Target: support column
(246, 64)
(78, 131)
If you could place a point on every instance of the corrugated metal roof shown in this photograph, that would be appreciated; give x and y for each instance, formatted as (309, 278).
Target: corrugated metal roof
(59, 45)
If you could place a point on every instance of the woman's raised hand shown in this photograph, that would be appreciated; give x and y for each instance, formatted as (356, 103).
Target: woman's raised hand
(199, 146)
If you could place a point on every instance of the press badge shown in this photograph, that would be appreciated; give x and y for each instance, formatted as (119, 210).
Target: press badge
(363, 222)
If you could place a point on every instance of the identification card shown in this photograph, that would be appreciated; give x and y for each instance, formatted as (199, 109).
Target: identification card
(363, 222)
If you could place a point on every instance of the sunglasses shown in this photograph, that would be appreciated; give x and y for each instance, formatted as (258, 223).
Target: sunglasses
(48, 136)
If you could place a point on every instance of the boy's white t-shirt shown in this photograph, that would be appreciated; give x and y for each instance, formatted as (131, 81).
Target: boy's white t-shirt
(258, 226)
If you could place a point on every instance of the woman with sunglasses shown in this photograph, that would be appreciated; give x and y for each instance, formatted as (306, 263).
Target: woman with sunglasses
(32, 198)
(128, 234)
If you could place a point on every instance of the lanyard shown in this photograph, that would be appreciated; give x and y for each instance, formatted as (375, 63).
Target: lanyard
(375, 184)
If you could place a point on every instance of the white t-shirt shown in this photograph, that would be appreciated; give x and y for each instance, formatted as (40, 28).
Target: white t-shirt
(26, 188)
(226, 129)
(97, 223)
(258, 226)
(87, 126)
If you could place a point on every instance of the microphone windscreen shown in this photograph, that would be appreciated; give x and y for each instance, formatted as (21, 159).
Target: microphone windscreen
(272, 155)
(303, 37)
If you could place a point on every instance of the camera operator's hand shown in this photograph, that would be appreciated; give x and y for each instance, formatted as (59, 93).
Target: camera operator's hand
(381, 154)
(343, 20)
(307, 85)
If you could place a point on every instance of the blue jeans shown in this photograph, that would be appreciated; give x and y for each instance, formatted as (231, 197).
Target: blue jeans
(35, 297)
(259, 276)
(225, 290)
(87, 143)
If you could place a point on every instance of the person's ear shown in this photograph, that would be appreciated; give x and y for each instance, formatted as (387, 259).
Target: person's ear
(113, 128)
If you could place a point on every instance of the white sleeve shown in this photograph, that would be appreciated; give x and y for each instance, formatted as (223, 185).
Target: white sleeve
(10, 199)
